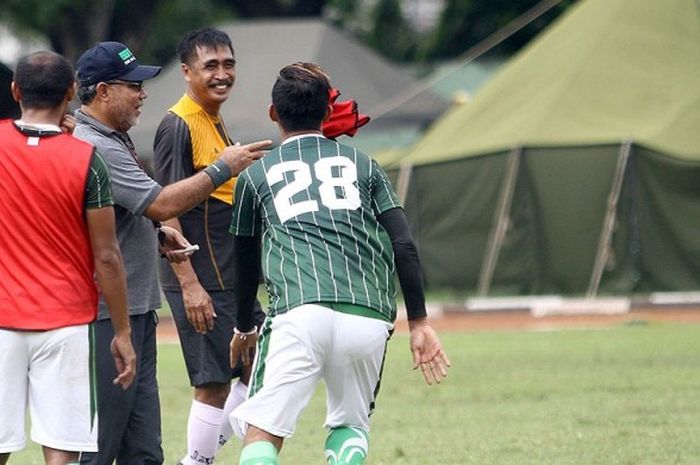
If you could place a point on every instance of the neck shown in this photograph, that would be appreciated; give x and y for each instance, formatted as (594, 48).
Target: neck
(99, 115)
(287, 134)
(211, 108)
(44, 116)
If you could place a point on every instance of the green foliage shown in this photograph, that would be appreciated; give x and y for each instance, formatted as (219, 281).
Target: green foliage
(465, 23)
(462, 24)
(390, 34)
(27, 13)
(73, 26)
(151, 28)
(275, 8)
(57, 20)
(342, 11)
(172, 20)
(625, 395)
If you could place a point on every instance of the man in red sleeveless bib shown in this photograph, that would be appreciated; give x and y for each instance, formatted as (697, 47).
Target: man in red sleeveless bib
(58, 234)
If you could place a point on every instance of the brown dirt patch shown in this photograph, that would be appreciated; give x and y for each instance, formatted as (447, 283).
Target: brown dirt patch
(455, 320)
(523, 319)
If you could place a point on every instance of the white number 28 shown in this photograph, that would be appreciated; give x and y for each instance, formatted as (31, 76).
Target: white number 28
(345, 198)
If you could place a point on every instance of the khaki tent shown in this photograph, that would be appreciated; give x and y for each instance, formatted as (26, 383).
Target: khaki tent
(576, 169)
(262, 48)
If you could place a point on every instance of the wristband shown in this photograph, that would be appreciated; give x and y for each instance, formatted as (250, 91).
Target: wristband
(219, 172)
(244, 335)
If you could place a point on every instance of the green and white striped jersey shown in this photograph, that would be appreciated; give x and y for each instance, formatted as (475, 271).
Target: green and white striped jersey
(317, 203)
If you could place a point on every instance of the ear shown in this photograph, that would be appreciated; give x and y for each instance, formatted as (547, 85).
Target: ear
(272, 113)
(185, 71)
(70, 93)
(16, 93)
(102, 91)
(329, 112)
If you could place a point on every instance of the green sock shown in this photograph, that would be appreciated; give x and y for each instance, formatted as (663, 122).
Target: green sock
(259, 453)
(347, 446)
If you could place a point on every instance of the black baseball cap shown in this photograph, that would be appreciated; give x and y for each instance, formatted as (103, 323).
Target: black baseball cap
(112, 60)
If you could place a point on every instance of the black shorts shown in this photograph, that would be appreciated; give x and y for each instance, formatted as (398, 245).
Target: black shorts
(207, 355)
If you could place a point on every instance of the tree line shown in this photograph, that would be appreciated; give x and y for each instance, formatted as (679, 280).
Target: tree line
(151, 28)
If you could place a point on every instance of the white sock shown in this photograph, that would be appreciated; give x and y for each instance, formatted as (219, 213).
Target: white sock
(238, 394)
(202, 433)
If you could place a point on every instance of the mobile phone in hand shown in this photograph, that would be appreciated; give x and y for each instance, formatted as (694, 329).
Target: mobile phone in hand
(188, 250)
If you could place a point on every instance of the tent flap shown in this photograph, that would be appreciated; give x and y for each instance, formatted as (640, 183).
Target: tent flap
(555, 221)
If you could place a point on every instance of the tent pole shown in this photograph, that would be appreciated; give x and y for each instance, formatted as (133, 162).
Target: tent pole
(403, 181)
(501, 222)
(605, 241)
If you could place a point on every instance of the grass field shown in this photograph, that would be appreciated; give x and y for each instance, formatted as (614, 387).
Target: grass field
(624, 395)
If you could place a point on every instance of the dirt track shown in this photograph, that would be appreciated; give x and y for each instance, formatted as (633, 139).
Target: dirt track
(521, 319)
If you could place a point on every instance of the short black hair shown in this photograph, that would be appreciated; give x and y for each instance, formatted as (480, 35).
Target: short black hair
(300, 96)
(43, 79)
(207, 37)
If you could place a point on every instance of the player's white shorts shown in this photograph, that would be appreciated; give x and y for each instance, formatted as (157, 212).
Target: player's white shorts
(50, 372)
(298, 348)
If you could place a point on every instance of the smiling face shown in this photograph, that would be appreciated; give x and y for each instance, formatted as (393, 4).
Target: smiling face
(210, 76)
(126, 100)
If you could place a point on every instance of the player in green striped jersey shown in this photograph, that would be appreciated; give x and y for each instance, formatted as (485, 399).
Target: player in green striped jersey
(333, 233)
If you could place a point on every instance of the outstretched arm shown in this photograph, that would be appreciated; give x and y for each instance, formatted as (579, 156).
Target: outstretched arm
(427, 350)
(180, 197)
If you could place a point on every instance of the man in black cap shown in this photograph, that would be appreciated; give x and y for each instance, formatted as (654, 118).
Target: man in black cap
(111, 92)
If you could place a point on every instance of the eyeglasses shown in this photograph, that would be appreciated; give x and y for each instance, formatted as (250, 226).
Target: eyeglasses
(136, 86)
